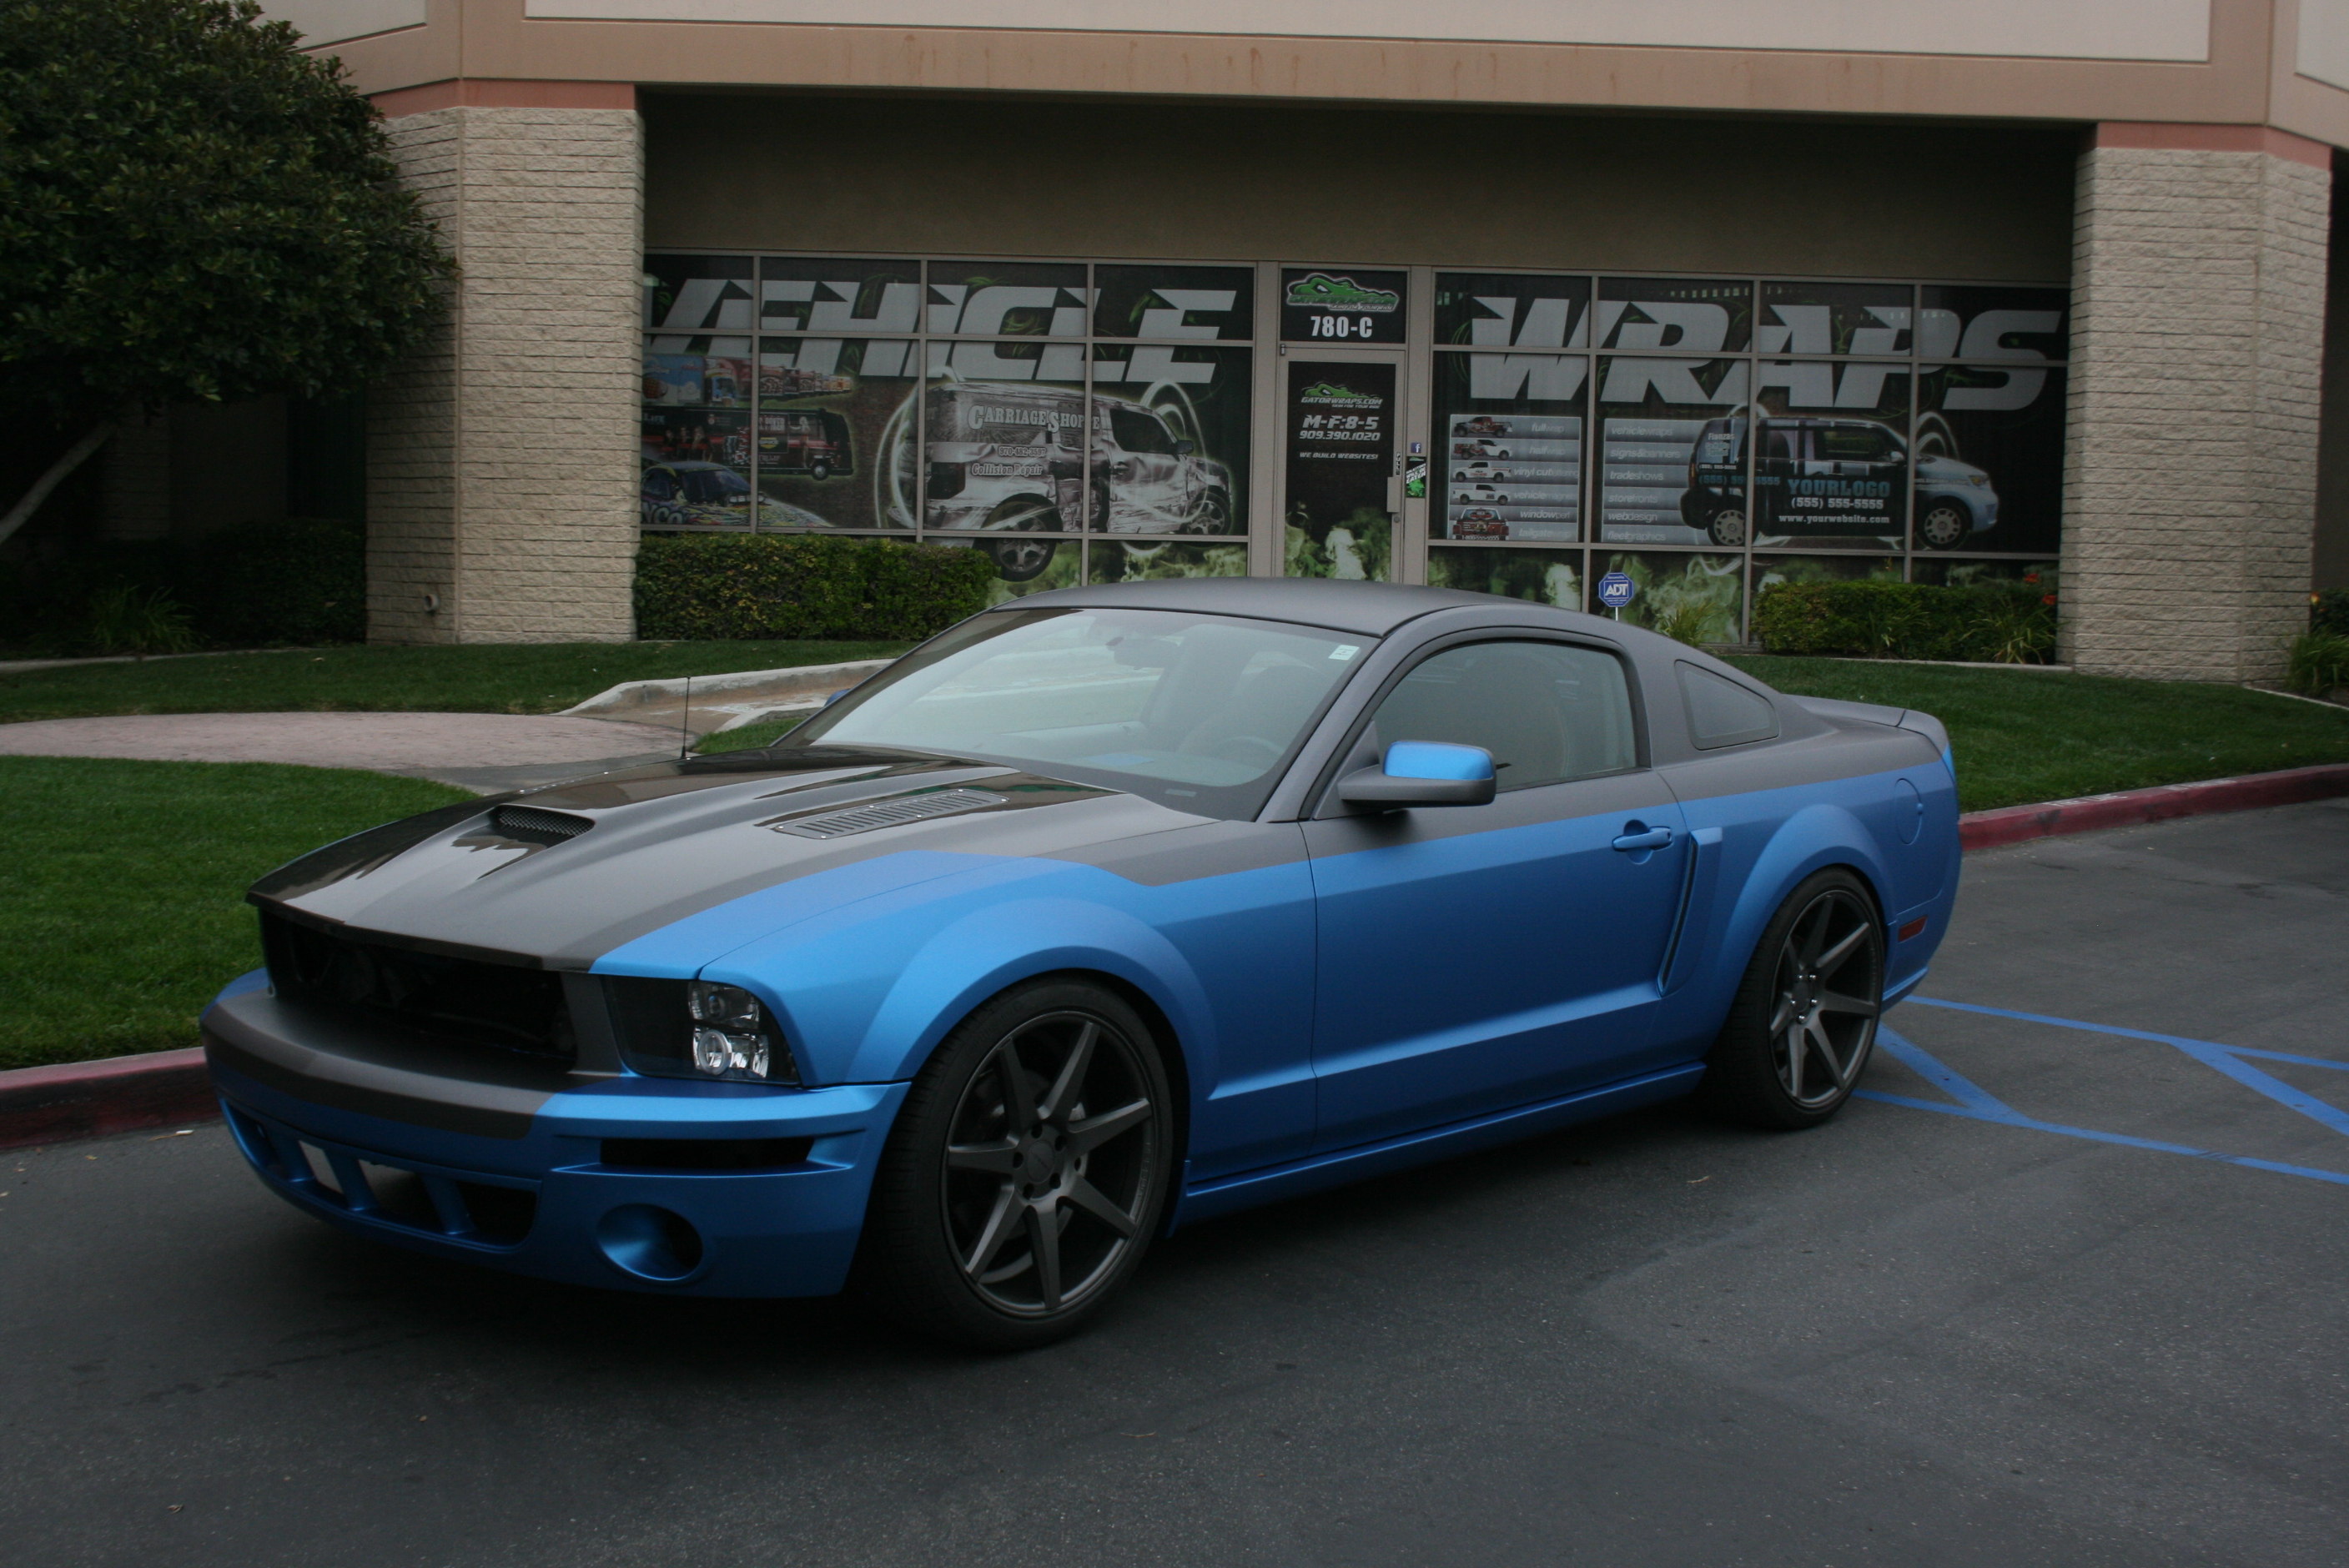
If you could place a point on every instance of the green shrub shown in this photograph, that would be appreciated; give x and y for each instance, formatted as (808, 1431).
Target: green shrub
(301, 580)
(2319, 663)
(757, 587)
(1985, 623)
(2328, 611)
(122, 619)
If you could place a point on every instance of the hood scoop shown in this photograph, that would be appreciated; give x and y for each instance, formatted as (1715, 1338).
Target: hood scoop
(889, 813)
(536, 825)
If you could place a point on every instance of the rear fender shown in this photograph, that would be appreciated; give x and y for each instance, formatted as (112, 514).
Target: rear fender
(1810, 841)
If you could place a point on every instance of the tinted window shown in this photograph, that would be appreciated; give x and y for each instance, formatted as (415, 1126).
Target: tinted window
(1852, 444)
(1138, 432)
(1547, 711)
(1722, 713)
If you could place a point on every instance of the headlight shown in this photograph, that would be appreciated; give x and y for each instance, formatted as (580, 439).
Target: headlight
(1981, 480)
(730, 1033)
(697, 1030)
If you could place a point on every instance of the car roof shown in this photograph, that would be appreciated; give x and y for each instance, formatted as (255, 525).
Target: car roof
(1371, 609)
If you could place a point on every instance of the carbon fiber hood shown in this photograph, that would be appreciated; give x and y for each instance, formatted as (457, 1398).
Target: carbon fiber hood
(671, 839)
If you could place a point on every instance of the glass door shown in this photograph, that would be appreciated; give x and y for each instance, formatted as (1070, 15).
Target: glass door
(1341, 470)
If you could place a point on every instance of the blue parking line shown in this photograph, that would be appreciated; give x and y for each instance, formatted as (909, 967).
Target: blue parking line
(2217, 1058)
(1979, 1104)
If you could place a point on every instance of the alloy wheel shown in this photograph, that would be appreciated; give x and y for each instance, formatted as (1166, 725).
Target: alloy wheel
(1830, 977)
(1049, 1165)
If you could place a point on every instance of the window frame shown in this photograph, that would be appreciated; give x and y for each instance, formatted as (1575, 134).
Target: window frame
(1344, 758)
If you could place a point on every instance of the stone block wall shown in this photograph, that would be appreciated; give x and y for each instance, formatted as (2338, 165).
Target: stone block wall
(502, 457)
(2198, 282)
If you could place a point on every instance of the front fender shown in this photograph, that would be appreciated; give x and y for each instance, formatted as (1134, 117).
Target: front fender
(985, 951)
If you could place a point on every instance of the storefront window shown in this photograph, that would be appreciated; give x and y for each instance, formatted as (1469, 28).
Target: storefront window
(1181, 303)
(1508, 435)
(1111, 421)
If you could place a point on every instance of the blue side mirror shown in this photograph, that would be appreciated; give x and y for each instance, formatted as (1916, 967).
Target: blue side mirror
(1423, 773)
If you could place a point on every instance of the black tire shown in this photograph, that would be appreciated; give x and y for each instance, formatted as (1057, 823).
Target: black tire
(819, 471)
(1728, 527)
(1803, 1010)
(955, 1240)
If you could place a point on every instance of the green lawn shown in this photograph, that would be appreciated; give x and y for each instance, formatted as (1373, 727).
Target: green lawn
(536, 677)
(122, 888)
(2022, 735)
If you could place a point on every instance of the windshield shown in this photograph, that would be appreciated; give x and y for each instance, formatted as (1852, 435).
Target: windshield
(1200, 712)
(713, 484)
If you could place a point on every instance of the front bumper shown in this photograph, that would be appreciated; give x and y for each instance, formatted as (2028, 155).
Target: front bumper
(480, 1161)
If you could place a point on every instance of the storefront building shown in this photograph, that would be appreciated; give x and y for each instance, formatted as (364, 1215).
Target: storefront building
(1712, 294)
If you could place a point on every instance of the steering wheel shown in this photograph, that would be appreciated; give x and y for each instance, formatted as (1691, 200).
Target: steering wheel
(1246, 749)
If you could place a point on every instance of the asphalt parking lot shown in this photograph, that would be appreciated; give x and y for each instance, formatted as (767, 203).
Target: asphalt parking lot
(2052, 1294)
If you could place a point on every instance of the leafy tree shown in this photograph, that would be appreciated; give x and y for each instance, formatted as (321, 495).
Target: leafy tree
(190, 208)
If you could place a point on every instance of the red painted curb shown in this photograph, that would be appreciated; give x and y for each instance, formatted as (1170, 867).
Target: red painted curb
(90, 1099)
(2014, 824)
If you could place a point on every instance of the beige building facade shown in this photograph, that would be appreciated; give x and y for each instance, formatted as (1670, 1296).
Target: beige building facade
(1701, 295)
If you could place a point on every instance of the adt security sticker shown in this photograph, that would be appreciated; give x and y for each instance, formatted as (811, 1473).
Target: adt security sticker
(1615, 590)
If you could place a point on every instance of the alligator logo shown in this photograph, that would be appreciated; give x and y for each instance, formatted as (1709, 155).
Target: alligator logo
(1321, 291)
(1328, 392)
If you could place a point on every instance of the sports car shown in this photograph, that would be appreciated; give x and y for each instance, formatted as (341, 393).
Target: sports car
(1108, 910)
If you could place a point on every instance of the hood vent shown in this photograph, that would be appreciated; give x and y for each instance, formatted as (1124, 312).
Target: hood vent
(537, 825)
(889, 813)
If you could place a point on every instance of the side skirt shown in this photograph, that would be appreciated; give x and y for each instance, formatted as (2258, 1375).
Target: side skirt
(1231, 1193)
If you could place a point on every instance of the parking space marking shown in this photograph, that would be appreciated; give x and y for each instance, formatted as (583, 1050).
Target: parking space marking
(1979, 1104)
(2220, 1058)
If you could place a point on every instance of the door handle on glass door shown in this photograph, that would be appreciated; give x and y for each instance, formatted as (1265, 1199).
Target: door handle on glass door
(1640, 836)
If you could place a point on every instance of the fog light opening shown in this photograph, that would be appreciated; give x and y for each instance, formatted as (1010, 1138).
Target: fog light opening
(649, 1242)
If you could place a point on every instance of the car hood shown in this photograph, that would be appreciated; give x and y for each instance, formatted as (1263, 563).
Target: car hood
(562, 875)
(1947, 468)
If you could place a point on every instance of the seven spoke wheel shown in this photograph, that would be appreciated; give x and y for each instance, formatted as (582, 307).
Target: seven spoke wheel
(1026, 1170)
(1819, 1035)
(1805, 1016)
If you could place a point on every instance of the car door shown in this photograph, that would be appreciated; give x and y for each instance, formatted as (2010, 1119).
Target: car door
(1473, 958)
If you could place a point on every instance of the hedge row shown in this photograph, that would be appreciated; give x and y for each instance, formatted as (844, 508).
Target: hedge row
(300, 581)
(758, 586)
(1986, 623)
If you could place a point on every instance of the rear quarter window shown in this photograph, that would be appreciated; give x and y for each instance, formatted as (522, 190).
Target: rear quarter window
(1722, 713)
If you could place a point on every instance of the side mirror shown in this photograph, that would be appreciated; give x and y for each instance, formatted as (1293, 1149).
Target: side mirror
(1423, 773)
(1184, 449)
(836, 696)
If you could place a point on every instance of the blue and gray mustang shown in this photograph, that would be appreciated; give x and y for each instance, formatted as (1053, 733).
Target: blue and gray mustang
(1111, 909)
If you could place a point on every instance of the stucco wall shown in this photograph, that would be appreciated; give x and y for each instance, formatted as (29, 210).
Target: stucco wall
(2192, 457)
(1344, 184)
(502, 458)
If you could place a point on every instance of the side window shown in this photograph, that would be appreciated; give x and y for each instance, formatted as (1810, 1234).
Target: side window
(1722, 713)
(1547, 711)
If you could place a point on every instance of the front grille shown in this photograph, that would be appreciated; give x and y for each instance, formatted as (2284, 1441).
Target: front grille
(889, 813)
(487, 1211)
(464, 1001)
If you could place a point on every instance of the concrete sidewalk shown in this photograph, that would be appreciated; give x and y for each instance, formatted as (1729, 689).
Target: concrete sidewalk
(486, 752)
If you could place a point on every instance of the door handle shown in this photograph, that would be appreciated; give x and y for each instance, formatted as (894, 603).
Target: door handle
(1644, 838)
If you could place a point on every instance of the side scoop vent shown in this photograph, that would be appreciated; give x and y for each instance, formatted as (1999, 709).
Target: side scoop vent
(889, 813)
(537, 825)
